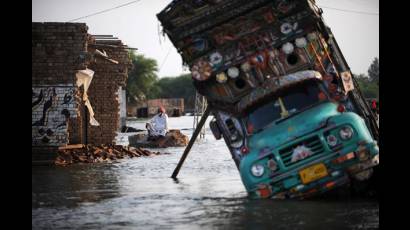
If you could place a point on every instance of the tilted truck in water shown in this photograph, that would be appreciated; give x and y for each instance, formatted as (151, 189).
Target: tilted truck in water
(282, 95)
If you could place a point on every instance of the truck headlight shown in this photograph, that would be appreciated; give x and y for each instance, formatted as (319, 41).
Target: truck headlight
(236, 141)
(346, 133)
(257, 170)
(331, 140)
(234, 137)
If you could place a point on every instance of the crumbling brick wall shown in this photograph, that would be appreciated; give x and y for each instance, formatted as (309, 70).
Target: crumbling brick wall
(58, 51)
(104, 88)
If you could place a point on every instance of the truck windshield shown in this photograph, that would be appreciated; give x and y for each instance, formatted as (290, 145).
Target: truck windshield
(295, 99)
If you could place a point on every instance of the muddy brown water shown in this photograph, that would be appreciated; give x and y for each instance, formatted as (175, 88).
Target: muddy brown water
(139, 194)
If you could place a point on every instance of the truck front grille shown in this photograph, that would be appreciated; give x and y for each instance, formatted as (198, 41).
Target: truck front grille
(313, 143)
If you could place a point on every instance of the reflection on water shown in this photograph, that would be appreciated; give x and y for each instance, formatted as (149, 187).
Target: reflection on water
(139, 194)
(58, 186)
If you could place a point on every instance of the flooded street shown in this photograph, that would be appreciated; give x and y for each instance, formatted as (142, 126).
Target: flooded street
(138, 193)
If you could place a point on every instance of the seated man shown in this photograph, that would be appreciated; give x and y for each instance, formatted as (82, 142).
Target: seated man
(158, 125)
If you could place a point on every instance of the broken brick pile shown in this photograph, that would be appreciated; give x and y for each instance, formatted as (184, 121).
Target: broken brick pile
(99, 153)
(173, 138)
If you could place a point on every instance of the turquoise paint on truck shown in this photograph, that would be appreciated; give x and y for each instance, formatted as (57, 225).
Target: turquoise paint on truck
(317, 121)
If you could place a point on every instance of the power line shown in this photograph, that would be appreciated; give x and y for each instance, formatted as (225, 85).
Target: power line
(351, 11)
(136, 1)
(103, 11)
(165, 59)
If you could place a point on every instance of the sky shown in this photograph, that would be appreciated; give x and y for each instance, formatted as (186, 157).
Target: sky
(137, 26)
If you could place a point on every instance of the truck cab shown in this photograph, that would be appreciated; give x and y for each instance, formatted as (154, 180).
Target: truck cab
(299, 142)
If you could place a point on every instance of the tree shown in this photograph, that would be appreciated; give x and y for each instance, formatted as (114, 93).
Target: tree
(142, 78)
(178, 87)
(373, 71)
(369, 88)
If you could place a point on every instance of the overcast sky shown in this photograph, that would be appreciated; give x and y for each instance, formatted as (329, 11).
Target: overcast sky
(137, 26)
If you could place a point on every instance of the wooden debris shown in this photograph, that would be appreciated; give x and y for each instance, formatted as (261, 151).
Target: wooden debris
(103, 153)
(77, 146)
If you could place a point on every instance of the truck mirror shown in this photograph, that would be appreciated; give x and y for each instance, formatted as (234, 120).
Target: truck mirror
(215, 130)
(236, 138)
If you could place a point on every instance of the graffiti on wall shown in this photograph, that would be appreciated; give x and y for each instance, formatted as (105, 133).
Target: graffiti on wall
(52, 106)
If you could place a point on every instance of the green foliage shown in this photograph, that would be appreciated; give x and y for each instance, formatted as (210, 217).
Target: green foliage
(369, 88)
(177, 87)
(374, 71)
(369, 85)
(142, 77)
(143, 82)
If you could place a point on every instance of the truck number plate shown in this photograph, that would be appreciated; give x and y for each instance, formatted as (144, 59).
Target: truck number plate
(313, 173)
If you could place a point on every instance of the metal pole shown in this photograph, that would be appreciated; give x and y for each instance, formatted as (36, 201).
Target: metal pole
(204, 105)
(191, 142)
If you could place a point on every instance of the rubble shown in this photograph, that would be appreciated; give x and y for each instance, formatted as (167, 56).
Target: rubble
(174, 138)
(98, 153)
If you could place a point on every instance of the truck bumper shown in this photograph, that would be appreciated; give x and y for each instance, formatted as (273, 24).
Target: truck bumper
(288, 184)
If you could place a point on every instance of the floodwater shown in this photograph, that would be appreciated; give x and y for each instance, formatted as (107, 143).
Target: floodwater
(138, 193)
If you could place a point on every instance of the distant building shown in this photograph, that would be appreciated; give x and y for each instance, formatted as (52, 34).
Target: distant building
(173, 106)
(133, 107)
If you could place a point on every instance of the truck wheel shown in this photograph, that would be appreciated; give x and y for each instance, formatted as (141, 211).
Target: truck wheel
(362, 187)
(215, 130)
(363, 175)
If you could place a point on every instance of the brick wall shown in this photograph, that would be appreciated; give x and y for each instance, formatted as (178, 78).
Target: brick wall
(51, 109)
(103, 91)
(58, 51)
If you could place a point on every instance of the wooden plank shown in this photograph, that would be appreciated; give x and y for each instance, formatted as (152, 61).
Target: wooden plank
(76, 146)
(102, 35)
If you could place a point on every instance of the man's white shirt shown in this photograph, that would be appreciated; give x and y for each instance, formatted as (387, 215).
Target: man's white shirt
(159, 124)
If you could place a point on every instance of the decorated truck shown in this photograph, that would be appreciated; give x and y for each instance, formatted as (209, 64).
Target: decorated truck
(281, 93)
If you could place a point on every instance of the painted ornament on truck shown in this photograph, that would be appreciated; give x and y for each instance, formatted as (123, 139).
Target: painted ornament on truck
(300, 153)
(201, 71)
